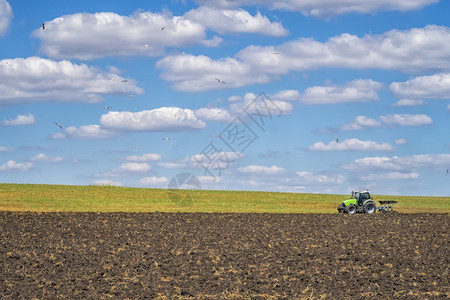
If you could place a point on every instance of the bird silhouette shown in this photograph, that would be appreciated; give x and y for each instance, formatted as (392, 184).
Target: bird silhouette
(57, 124)
(107, 107)
(162, 28)
(337, 140)
(221, 81)
(43, 26)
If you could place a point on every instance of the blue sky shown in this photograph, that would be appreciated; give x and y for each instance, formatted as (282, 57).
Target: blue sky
(291, 96)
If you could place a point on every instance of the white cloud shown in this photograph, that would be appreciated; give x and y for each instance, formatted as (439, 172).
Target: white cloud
(86, 132)
(127, 168)
(6, 15)
(262, 170)
(396, 163)
(153, 181)
(407, 119)
(325, 8)
(361, 90)
(351, 145)
(287, 95)
(408, 102)
(435, 86)
(144, 157)
(20, 120)
(361, 122)
(317, 178)
(239, 20)
(5, 149)
(11, 165)
(160, 119)
(41, 157)
(401, 141)
(252, 102)
(36, 79)
(391, 176)
(393, 50)
(106, 182)
(188, 72)
(88, 36)
(172, 165)
(213, 114)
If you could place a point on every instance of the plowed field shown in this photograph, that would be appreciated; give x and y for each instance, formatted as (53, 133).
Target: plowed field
(223, 256)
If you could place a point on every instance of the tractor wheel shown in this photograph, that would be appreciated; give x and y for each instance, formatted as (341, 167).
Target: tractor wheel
(369, 208)
(351, 209)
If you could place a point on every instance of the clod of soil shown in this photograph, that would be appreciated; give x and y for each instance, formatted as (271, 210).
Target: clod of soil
(223, 256)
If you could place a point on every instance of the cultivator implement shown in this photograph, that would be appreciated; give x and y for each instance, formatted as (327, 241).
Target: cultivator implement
(386, 205)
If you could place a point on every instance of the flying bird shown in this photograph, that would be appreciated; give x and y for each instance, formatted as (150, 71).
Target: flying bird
(125, 80)
(199, 85)
(146, 45)
(337, 140)
(107, 107)
(43, 26)
(166, 139)
(221, 81)
(135, 147)
(57, 124)
(446, 173)
(162, 28)
(275, 53)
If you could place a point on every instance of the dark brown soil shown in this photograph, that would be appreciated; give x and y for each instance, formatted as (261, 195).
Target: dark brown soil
(223, 256)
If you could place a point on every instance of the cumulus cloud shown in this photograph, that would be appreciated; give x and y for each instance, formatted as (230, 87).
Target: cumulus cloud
(435, 86)
(236, 20)
(88, 36)
(396, 163)
(213, 114)
(287, 95)
(351, 145)
(5, 149)
(172, 165)
(407, 119)
(36, 79)
(318, 178)
(160, 119)
(262, 170)
(12, 165)
(393, 50)
(41, 157)
(361, 90)
(144, 157)
(153, 181)
(401, 141)
(20, 120)
(391, 176)
(361, 122)
(6, 15)
(126, 169)
(325, 8)
(408, 102)
(106, 182)
(85, 132)
(259, 104)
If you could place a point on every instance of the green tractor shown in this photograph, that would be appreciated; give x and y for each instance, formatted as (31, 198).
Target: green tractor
(359, 202)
